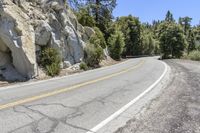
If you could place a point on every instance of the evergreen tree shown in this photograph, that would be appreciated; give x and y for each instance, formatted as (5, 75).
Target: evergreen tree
(172, 40)
(116, 44)
(131, 28)
(169, 17)
(84, 17)
(185, 23)
(191, 41)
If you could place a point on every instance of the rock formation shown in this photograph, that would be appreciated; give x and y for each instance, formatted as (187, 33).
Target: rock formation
(28, 25)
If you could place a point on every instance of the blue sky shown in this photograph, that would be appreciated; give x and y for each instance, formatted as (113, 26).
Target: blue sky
(148, 10)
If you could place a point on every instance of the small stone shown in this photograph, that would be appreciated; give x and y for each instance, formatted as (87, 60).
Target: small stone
(66, 64)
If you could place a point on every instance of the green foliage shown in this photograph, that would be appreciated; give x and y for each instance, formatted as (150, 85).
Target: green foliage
(131, 28)
(194, 55)
(102, 10)
(93, 55)
(165, 36)
(98, 38)
(99, 10)
(149, 43)
(172, 40)
(169, 17)
(84, 17)
(94, 50)
(50, 60)
(191, 41)
(116, 45)
(185, 23)
(53, 69)
(83, 66)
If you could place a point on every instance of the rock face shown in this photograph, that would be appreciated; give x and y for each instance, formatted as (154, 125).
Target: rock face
(17, 36)
(28, 25)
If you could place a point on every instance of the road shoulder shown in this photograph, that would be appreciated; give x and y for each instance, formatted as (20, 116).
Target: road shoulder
(137, 108)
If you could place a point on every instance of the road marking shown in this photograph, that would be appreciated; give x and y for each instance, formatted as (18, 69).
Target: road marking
(56, 92)
(57, 78)
(124, 108)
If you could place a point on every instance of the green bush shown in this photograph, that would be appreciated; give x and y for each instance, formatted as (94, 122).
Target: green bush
(194, 55)
(84, 17)
(83, 66)
(98, 38)
(116, 45)
(93, 55)
(50, 60)
(53, 69)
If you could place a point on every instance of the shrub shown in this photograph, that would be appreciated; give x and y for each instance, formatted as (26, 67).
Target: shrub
(50, 60)
(116, 45)
(93, 55)
(84, 17)
(83, 66)
(53, 69)
(194, 55)
(98, 38)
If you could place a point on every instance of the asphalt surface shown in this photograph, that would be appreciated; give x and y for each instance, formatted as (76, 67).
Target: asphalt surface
(177, 108)
(49, 107)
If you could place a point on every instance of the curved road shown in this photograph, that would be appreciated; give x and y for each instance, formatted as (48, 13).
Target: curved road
(76, 103)
(177, 108)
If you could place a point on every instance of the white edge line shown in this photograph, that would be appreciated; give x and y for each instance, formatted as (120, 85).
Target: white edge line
(124, 108)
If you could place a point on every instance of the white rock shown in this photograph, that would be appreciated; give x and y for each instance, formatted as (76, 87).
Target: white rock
(42, 34)
(56, 6)
(66, 64)
(21, 44)
(89, 31)
(106, 53)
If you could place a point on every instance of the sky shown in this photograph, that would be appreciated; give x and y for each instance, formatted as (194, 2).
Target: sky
(149, 10)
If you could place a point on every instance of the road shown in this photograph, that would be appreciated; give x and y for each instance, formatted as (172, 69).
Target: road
(177, 108)
(76, 103)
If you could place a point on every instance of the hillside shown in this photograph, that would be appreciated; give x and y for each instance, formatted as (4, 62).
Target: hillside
(26, 26)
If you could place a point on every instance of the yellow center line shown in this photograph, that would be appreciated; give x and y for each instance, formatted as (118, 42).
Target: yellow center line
(56, 92)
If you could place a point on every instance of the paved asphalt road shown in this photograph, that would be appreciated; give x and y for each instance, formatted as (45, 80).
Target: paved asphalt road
(77, 103)
(177, 108)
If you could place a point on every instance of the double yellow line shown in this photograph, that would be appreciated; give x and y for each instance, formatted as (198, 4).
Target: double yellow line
(56, 92)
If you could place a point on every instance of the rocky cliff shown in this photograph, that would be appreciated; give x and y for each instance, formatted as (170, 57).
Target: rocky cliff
(28, 25)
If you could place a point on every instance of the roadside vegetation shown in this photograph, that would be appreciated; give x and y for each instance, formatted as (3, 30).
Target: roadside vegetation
(193, 55)
(127, 36)
(50, 60)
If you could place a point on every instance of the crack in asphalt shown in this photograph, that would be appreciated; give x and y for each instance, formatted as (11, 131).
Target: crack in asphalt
(15, 109)
(65, 119)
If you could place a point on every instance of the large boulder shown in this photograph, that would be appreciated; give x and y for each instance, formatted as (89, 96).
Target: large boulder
(18, 35)
(65, 37)
(42, 34)
(26, 26)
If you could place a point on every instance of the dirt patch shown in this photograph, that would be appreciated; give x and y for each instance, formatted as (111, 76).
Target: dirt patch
(110, 62)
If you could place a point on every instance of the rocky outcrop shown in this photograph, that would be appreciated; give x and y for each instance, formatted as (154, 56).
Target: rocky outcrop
(18, 36)
(28, 25)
